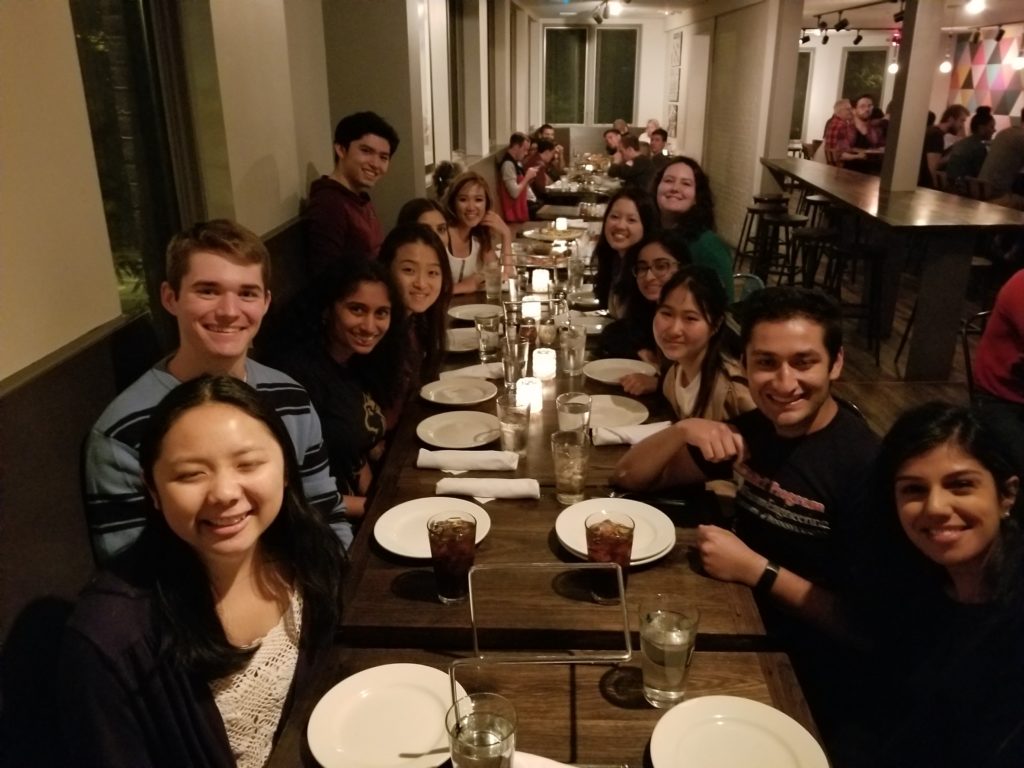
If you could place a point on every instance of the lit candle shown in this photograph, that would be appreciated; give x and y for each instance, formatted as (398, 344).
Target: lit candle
(539, 280)
(530, 390)
(588, 168)
(544, 363)
(531, 307)
(561, 224)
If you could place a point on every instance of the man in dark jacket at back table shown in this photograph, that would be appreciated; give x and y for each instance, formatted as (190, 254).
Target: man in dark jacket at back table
(340, 218)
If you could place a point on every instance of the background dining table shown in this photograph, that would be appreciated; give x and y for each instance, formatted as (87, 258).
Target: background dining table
(590, 714)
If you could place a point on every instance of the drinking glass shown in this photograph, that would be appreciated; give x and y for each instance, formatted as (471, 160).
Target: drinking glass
(570, 451)
(609, 540)
(574, 284)
(452, 538)
(513, 422)
(514, 353)
(489, 329)
(492, 280)
(481, 731)
(572, 347)
(573, 410)
(668, 632)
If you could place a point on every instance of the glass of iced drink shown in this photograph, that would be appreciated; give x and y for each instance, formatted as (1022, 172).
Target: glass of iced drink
(573, 410)
(513, 422)
(452, 549)
(481, 731)
(609, 540)
(570, 450)
(668, 632)
(572, 348)
(492, 280)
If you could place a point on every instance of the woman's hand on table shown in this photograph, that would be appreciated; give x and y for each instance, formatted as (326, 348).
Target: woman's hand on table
(725, 557)
(639, 383)
(471, 284)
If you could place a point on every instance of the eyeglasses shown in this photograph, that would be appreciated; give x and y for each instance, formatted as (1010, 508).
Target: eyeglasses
(660, 268)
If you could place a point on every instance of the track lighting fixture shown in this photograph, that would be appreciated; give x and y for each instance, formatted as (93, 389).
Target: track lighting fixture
(842, 24)
(976, 37)
(597, 17)
(804, 37)
(824, 39)
(858, 39)
(822, 24)
(898, 16)
(999, 34)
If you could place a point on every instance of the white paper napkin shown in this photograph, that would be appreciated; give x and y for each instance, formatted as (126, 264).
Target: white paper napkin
(629, 435)
(526, 760)
(479, 371)
(489, 487)
(494, 461)
(576, 224)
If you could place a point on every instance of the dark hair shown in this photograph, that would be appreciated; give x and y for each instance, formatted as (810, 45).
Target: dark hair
(629, 141)
(412, 210)
(954, 111)
(607, 258)
(627, 288)
(862, 96)
(517, 139)
(544, 145)
(660, 132)
(701, 217)
(709, 295)
(980, 120)
(299, 539)
(784, 303)
(919, 431)
(611, 130)
(359, 124)
(430, 327)
(378, 372)
(442, 177)
(480, 232)
(544, 128)
(220, 236)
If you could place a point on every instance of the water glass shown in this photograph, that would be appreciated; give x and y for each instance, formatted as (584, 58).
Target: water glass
(514, 353)
(573, 410)
(452, 538)
(481, 731)
(570, 451)
(572, 348)
(513, 422)
(489, 329)
(668, 633)
(492, 280)
(609, 540)
(574, 284)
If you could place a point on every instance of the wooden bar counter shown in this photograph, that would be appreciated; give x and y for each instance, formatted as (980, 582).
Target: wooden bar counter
(946, 225)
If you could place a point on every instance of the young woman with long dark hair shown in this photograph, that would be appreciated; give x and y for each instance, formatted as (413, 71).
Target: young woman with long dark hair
(421, 210)
(628, 219)
(474, 227)
(189, 648)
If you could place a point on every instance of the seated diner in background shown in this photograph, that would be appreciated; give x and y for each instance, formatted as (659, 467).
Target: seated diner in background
(473, 228)
(968, 155)
(636, 170)
(682, 194)
(628, 218)
(218, 292)
(353, 370)
(188, 649)
(950, 124)
(1003, 166)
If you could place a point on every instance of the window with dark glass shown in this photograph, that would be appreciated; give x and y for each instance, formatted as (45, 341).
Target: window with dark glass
(615, 83)
(565, 70)
(590, 74)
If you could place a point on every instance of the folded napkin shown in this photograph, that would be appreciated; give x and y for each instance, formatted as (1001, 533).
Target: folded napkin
(489, 487)
(480, 371)
(495, 461)
(526, 760)
(629, 435)
(576, 224)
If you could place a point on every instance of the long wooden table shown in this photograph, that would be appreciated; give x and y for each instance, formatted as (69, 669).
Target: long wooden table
(582, 713)
(947, 225)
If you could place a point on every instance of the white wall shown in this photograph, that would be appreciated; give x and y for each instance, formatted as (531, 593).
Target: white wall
(56, 272)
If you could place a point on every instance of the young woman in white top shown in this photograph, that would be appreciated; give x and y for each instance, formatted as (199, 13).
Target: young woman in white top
(475, 227)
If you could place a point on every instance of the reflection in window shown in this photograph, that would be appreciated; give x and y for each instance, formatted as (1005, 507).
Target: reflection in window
(615, 84)
(565, 69)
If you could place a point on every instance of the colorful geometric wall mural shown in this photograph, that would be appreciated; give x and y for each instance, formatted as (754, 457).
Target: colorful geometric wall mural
(983, 76)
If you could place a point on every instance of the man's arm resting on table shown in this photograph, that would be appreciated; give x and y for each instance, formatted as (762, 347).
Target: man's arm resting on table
(725, 557)
(664, 458)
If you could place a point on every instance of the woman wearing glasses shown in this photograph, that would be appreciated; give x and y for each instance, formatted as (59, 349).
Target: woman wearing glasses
(683, 197)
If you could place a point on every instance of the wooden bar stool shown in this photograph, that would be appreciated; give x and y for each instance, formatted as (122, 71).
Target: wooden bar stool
(869, 308)
(746, 246)
(775, 254)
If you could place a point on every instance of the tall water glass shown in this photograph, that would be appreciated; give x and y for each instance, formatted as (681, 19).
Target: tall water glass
(492, 280)
(572, 348)
(514, 354)
(573, 410)
(668, 633)
(489, 329)
(569, 451)
(481, 731)
(513, 423)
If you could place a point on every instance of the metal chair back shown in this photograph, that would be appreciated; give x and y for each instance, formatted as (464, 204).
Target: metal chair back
(972, 326)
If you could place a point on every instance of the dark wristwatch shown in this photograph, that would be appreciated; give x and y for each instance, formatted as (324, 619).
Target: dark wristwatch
(768, 577)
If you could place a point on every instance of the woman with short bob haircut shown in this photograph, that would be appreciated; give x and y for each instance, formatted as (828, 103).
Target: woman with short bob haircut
(948, 551)
(419, 266)
(189, 648)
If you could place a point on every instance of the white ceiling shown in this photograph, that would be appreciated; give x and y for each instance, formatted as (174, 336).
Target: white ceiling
(879, 16)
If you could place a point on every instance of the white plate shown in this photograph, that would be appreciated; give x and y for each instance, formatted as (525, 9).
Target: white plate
(458, 429)
(612, 369)
(457, 390)
(402, 530)
(392, 715)
(616, 411)
(463, 340)
(472, 311)
(654, 534)
(727, 731)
